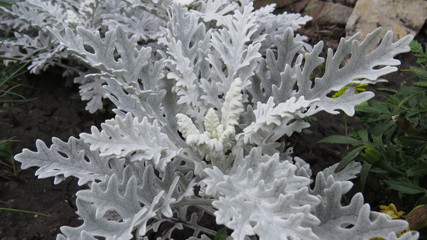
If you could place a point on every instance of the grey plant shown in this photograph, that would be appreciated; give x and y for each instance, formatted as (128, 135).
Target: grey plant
(199, 129)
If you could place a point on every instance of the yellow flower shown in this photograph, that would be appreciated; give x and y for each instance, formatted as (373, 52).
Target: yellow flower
(391, 210)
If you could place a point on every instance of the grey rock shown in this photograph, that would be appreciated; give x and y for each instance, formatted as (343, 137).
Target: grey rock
(327, 13)
(403, 17)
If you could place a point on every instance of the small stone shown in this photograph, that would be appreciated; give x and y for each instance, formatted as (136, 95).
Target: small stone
(402, 17)
(327, 13)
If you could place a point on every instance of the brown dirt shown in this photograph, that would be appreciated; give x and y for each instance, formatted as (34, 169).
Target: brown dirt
(54, 112)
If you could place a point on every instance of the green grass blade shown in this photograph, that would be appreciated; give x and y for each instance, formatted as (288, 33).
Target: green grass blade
(363, 134)
(25, 211)
(405, 187)
(340, 139)
(348, 158)
(364, 172)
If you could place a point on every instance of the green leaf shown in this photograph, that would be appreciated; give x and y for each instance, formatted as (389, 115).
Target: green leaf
(8, 58)
(416, 46)
(364, 172)
(423, 102)
(413, 141)
(421, 84)
(348, 158)
(386, 129)
(312, 6)
(422, 200)
(364, 135)
(387, 90)
(5, 4)
(221, 234)
(419, 72)
(340, 139)
(370, 154)
(405, 187)
(417, 170)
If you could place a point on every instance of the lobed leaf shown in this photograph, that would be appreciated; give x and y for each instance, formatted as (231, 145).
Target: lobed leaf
(72, 158)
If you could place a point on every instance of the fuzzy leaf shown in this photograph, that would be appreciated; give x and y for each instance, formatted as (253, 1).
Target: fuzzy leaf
(361, 65)
(100, 53)
(119, 209)
(123, 137)
(261, 193)
(110, 229)
(217, 10)
(186, 125)
(232, 107)
(355, 220)
(179, 104)
(272, 122)
(72, 158)
(237, 56)
(211, 123)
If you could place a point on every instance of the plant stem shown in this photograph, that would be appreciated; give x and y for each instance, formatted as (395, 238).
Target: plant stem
(15, 172)
(345, 119)
(25, 211)
(203, 229)
(201, 203)
(194, 202)
(207, 209)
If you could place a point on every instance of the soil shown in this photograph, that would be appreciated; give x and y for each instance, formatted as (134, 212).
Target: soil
(55, 111)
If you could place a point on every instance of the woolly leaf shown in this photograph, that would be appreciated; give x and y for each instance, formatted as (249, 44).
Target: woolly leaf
(186, 125)
(179, 104)
(72, 158)
(272, 122)
(217, 10)
(186, 38)
(355, 220)
(101, 53)
(261, 192)
(124, 208)
(232, 107)
(123, 137)
(110, 229)
(211, 124)
(237, 56)
(362, 64)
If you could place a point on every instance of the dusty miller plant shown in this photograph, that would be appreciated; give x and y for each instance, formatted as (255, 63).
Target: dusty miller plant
(27, 21)
(197, 130)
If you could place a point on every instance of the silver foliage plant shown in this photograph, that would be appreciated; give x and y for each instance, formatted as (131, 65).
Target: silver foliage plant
(197, 129)
(29, 21)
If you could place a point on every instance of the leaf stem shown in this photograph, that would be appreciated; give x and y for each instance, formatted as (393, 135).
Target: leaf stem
(200, 228)
(193, 202)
